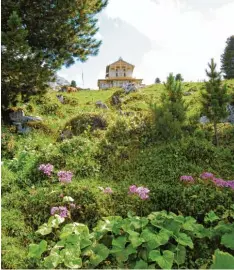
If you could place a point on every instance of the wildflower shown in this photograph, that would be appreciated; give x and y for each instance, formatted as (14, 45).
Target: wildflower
(132, 189)
(187, 178)
(61, 211)
(142, 192)
(72, 205)
(65, 176)
(46, 169)
(222, 183)
(54, 210)
(108, 190)
(230, 184)
(207, 175)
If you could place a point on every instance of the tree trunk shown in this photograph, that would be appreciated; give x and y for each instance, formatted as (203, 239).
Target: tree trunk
(216, 134)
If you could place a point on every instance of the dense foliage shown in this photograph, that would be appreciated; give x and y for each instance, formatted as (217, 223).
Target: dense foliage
(39, 37)
(110, 163)
(227, 59)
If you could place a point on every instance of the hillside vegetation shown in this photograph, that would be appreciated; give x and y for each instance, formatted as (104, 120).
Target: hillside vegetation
(107, 151)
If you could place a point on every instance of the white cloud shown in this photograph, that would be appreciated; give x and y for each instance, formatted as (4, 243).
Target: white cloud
(187, 38)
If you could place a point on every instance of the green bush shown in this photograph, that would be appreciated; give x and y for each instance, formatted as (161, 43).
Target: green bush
(13, 253)
(86, 121)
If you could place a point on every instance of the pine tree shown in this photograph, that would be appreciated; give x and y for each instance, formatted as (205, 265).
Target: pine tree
(157, 80)
(73, 83)
(179, 77)
(22, 72)
(227, 59)
(170, 117)
(41, 36)
(214, 98)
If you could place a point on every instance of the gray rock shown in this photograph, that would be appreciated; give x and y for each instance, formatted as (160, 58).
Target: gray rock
(100, 104)
(20, 121)
(130, 87)
(31, 119)
(17, 116)
(204, 120)
(230, 109)
(23, 129)
(60, 98)
(116, 100)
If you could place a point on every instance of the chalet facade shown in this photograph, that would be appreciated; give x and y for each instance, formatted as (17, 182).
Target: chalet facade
(118, 74)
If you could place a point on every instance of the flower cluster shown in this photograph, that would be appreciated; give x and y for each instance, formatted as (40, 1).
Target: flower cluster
(222, 183)
(187, 179)
(206, 175)
(142, 192)
(61, 210)
(106, 190)
(46, 169)
(65, 176)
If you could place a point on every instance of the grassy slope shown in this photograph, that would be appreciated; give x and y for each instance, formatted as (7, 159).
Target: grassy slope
(135, 101)
(84, 101)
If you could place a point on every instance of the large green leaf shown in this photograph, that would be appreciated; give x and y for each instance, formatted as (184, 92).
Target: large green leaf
(184, 240)
(100, 253)
(211, 217)
(55, 220)
(136, 240)
(228, 240)
(165, 261)
(71, 257)
(44, 229)
(189, 224)
(85, 243)
(147, 234)
(158, 239)
(222, 260)
(120, 242)
(52, 261)
(141, 265)
(138, 222)
(180, 254)
(35, 251)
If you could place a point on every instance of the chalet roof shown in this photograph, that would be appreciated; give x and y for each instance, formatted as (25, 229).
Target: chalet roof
(121, 60)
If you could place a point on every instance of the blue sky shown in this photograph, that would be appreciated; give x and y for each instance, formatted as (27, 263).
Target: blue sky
(158, 37)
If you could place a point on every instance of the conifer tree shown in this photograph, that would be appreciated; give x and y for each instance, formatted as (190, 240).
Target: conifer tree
(157, 80)
(38, 37)
(227, 59)
(73, 83)
(179, 77)
(214, 98)
(169, 118)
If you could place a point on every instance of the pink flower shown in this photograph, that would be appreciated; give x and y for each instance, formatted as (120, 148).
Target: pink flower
(108, 190)
(65, 176)
(46, 169)
(72, 205)
(187, 178)
(206, 175)
(61, 210)
(142, 192)
(132, 189)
